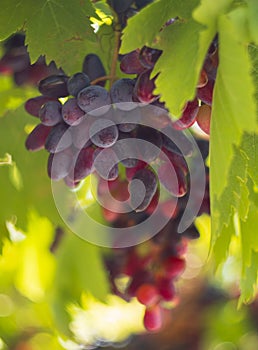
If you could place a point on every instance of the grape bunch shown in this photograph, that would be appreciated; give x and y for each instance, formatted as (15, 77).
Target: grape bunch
(16, 62)
(94, 130)
(149, 272)
(126, 138)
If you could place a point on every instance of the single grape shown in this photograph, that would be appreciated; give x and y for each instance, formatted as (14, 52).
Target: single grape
(59, 164)
(37, 138)
(150, 148)
(142, 189)
(204, 118)
(72, 114)
(130, 63)
(59, 138)
(14, 41)
(130, 172)
(147, 294)
(94, 100)
(189, 115)
(172, 137)
(148, 56)
(70, 182)
(106, 163)
(144, 87)
(77, 82)
(50, 113)
(83, 164)
(142, 3)
(155, 115)
(103, 133)
(33, 105)
(93, 68)
(16, 60)
(175, 182)
(54, 86)
(121, 94)
(203, 79)
(153, 318)
(80, 133)
(120, 6)
(166, 289)
(205, 93)
(172, 267)
(176, 159)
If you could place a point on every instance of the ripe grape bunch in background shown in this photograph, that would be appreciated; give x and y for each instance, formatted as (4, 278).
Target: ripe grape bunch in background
(125, 137)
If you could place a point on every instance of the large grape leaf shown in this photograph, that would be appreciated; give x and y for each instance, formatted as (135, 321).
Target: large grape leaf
(253, 15)
(143, 27)
(36, 189)
(11, 96)
(235, 215)
(234, 108)
(79, 269)
(58, 29)
(177, 66)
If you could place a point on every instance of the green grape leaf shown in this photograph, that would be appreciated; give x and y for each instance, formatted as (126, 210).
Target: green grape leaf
(176, 83)
(233, 84)
(253, 23)
(60, 30)
(35, 191)
(79, 269)
(11, 96)
(154, 17)
(235, 216)
(36, 264)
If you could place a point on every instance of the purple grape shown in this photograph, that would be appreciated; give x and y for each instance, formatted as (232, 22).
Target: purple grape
(16, 60)
(59, 164)
(54, 86)
(120, 6)
(59, 138)
(37, 138)
(71, 112)
(83, 164)
(127, 127)
(94, 100)
(14, 41)
(142, 3)
(142, 192)
(127, 150)
(206, 92)
(103, 133)
(80, 133)
(121, 94)
(148, 56)
(144, 87)
(174, 181)
(77, 82)
(93, 68)
(105, 163)
(130, 63)
(189, 115)
(151, 137)
(50, 113)
(33, 105)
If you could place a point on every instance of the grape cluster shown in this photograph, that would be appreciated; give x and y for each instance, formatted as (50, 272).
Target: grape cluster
(89, 130)
(16, 62)
(149, 271)
(95, 129)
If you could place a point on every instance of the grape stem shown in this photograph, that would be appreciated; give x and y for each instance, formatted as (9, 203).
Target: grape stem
(104, 77)
(117, 41)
